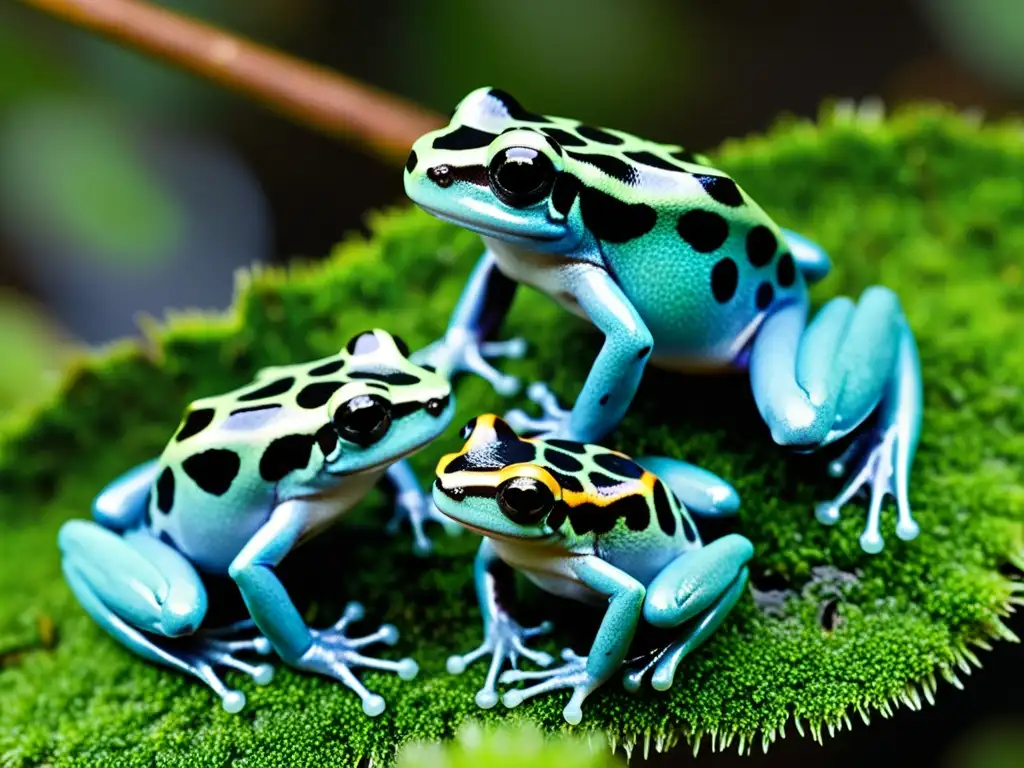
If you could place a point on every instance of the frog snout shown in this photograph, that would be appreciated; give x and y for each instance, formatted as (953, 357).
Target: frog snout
(440, 175)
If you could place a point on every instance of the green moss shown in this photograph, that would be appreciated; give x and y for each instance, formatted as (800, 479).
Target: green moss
(509, 747)
(926, 202)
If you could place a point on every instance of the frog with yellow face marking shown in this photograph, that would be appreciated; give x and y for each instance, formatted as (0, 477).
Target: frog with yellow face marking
(590, 524)
(678, 266)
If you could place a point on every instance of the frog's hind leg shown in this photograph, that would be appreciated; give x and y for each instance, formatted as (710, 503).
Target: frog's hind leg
(122, 504)
(815, 384)
(698, 588)
(701, 491)
(150, 599)
(886, 454)
(811, 259)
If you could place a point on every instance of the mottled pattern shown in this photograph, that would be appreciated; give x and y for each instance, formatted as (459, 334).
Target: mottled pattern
(725, 276)
(704, 231)
(165, 491)
(231, 452)
(213, 470)
(286, 454)
(195, 422)
(602, 492)
(690, 250)
(274, 389)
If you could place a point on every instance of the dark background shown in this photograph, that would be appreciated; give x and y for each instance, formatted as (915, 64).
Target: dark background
(126, 187)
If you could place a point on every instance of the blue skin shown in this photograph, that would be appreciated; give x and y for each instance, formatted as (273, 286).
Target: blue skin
(175, 601)
(643, 575)
(813, 383)
(150, 596)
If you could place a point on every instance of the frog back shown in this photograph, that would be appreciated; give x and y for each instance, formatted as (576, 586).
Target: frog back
(219, 476)
(700, 260)
(612, 507)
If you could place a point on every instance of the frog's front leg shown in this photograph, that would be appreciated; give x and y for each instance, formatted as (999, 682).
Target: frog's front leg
(416, 506)
(615, 374)
(816, 384)
(325, 651)
(483, 305)
(504, 639)
(149, 598)
(585, 674)
(699, 587)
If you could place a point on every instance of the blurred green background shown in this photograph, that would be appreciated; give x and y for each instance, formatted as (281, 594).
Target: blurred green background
(127, 187)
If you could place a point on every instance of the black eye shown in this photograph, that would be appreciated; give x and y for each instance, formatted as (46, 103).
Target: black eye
(436, 406)
(467, 429)
(363, 420)
(521, 176)
(525, 500)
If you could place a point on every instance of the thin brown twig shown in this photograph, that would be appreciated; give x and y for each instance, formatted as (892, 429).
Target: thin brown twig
(380, 122)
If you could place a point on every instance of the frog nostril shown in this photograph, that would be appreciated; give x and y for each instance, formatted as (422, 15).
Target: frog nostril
(440, 175)
(410, 164)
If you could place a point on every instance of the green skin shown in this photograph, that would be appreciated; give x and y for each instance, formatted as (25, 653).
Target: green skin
(250, 475)
(678, 266)
(589, 524)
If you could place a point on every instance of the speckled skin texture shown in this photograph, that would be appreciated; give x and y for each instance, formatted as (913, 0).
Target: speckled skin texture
(676, 264)
(680, 218)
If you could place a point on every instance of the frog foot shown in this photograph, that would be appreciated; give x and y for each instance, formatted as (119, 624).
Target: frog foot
(877, 475)
(461, 351)
(418, 508)
(505, 640)
(573, 674)
(334, 654)
(204, 651)
(553, 421)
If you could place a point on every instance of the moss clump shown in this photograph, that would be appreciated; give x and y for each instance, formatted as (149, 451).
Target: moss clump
(509, 747)
(925, 202)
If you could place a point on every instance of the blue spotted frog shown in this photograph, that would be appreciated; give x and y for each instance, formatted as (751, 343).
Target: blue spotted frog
(247, 477)
(676, 264)
(590, 524)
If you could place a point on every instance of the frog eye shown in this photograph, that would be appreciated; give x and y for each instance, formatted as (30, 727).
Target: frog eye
(436, 405)
(521, 176)
(363, 343)
(467, 429)
(363, 420)
(525, 500)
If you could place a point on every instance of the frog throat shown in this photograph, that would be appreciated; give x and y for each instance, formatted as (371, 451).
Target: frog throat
(597, 486)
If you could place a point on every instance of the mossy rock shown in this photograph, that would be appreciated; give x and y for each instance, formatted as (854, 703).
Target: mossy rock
(927, 202)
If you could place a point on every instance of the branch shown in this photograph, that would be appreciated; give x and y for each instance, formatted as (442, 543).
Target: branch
(379, 122)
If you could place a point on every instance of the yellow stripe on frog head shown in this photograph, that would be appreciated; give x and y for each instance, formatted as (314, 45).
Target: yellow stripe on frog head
(534, 472)
(488, 428)
(642, 486)
(493, 479)
(485, 429)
